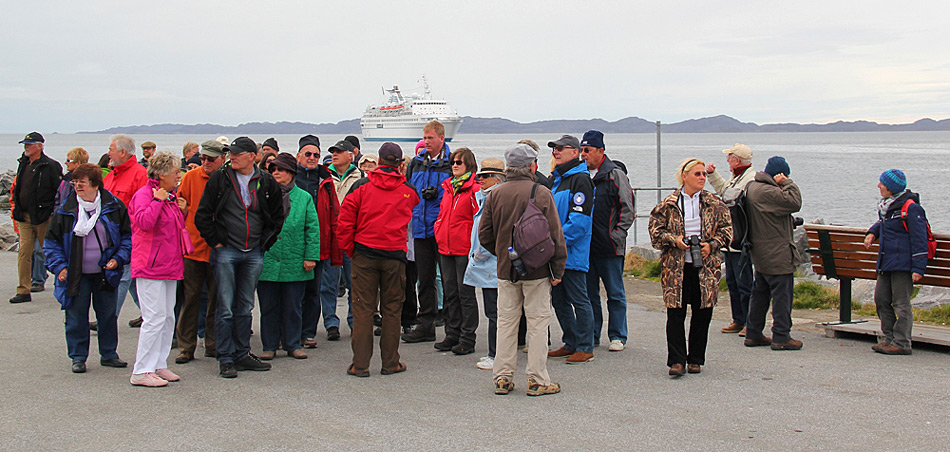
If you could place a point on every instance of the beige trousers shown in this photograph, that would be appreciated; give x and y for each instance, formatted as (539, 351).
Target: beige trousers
(24, 261)
(535, 297)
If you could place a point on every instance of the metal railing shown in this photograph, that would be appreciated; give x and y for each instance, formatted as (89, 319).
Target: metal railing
(636, 214)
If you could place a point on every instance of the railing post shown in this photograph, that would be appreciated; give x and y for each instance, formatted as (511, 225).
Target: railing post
(659, 170)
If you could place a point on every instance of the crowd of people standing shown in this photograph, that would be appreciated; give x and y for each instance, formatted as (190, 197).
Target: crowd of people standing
(193, 238)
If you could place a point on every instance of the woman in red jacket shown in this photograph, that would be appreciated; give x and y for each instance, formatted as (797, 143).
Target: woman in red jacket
(453, 233)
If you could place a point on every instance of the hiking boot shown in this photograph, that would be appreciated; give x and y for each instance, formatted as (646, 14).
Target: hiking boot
(418, 334)
(580, 357)
(537, 389)
(694, 368)
(333, 333)
(733, 328)
(227, 370)
(37, 288)
(792, 344)
(135, 323)
(79, 366)
(445, 345)
(761, 342)
(559, 353)
(184, 357)
(251, 362)
(462, 349)
(504, 385)
(21, 298)
(878, 347)
(742, 333)
(677, 370)
(267, 356)
(890, 349)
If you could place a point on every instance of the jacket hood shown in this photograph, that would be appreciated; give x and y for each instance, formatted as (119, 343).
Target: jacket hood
(762, 177)
(421, 156)
(386, 178)
(899, 202)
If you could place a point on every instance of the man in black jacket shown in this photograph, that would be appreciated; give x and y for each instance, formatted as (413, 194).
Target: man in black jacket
(240, 214)
(37, 180)
(612, 216)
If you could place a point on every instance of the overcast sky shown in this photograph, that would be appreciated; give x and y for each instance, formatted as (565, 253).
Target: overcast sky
(73, 66)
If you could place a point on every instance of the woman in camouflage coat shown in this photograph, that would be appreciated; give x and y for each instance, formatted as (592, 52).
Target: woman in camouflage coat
(688, 211)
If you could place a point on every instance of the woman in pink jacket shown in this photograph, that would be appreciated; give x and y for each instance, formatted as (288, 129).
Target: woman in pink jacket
(158, 250)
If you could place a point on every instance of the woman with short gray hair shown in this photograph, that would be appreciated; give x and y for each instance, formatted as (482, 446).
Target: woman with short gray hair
(158, 249)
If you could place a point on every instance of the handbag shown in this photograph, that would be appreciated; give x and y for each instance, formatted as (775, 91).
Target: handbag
(104, 285)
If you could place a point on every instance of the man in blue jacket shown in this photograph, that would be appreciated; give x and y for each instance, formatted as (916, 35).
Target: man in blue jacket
(901, 260)
(426, 172)
(612, 217)
(574, 197)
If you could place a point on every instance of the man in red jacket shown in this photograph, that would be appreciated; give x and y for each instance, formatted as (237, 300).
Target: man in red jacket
(372, 231)
(126, 178)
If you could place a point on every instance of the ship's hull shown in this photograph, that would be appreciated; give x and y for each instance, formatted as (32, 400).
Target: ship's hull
(404, 128)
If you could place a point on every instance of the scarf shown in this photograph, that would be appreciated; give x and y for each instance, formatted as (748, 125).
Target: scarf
(285, 196)
(458, 181)
(84, 221)
(885, 203)
(739, 170)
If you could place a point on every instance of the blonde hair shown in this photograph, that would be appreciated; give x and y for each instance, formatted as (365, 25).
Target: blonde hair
(685, 166)
(436, 127)
(189, 146)
(78, 155)
(162, 164)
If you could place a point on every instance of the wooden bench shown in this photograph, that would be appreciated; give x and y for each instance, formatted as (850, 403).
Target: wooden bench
(838, 252)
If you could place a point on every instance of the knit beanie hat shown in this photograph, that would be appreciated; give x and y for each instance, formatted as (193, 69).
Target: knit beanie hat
(894, 180)
(777, 165)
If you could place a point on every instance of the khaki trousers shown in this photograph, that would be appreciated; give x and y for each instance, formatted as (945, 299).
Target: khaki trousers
(24, 261)
(197, 275)
(534, 297)
(383, 279)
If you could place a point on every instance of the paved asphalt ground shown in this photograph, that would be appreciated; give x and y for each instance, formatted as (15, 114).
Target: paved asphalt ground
(834, 394)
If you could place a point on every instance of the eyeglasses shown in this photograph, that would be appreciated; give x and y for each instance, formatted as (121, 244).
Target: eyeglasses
(309, 154)
(207, 158)
(79, 183)
(561, 148)
(338, 151)
(457, 162)
(70, 161)
(586, 150)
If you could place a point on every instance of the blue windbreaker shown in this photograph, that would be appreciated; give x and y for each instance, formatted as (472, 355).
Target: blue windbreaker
(902, 249)
(422, 173)
(574, 197)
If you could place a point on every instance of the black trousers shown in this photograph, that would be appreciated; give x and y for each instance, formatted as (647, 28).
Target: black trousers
(459, 307)
(698, 324)
(427, 257)
(409, 307)
(779, 289)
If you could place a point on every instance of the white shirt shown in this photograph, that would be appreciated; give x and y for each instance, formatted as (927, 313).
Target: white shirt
(692, 221)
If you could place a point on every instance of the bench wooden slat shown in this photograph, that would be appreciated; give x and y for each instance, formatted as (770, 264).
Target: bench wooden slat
(870, 274)
(847, 230)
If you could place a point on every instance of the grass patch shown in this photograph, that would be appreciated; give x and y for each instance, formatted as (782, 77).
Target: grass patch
(640, 267)
(811, 295)
(723, 287)
(939, 315)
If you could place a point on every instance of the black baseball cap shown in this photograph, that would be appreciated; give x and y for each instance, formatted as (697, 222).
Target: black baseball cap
(32, 137)
(241, 145)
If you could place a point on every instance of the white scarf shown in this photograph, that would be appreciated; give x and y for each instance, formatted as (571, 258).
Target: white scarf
(885, 204)
(84, 221)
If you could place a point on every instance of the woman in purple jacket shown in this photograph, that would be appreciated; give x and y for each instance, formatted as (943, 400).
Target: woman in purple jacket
(157, 264)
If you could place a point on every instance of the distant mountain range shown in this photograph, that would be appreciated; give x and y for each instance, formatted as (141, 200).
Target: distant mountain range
(715, 124)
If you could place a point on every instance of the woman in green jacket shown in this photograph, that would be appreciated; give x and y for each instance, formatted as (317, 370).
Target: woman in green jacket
(288, 265)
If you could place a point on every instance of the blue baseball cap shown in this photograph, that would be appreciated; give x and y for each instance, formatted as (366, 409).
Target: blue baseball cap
(593, 138)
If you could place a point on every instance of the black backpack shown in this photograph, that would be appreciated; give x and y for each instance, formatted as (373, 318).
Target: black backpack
(735, 200)
(531, 236)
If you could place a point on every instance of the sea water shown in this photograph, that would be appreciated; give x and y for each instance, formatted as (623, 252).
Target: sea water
(836, 172)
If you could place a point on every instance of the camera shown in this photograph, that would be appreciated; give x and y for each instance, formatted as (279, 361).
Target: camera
(797, 221)
(695, 250)
(429, 193)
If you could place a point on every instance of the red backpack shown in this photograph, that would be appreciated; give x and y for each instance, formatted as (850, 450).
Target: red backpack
(931, 241)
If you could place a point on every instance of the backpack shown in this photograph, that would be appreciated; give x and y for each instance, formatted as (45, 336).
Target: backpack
(931, 241)
(735, 200)
(531, 236)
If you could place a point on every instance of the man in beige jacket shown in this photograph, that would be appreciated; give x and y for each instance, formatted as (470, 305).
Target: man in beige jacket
(738, 266)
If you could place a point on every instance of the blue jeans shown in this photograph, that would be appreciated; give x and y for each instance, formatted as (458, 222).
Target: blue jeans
(312, 300)
(280, 314)
(574, 313)
(126, 286)
(39, 264)
(740, 282)
(236, 274)
(77, 320)
(328, 286)
(610, 271)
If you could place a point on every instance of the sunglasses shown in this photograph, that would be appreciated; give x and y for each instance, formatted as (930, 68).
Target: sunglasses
(561, 148)
(338, 151)
(458, 162)
(207, 158)
(309, 154)
(70, 161)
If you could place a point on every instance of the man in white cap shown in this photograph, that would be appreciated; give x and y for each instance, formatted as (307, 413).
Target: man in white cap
(738, 266)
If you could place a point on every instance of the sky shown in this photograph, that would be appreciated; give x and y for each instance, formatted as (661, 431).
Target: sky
(81, 66)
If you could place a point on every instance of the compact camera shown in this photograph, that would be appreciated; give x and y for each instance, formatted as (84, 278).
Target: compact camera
(695, 250)
(429, 193)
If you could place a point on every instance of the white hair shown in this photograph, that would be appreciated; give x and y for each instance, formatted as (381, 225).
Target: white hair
(123, 142)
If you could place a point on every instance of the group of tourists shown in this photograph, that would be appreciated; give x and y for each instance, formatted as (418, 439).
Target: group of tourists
(193, 237)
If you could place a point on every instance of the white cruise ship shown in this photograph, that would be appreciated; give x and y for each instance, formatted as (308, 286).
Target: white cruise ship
(403, 117)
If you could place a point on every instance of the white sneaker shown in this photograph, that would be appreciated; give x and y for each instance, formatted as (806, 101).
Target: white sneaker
(615, 345)
(487, 363)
